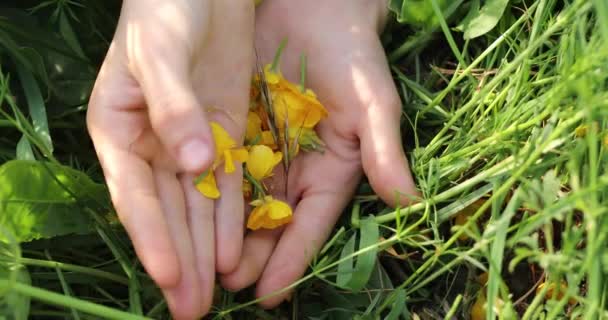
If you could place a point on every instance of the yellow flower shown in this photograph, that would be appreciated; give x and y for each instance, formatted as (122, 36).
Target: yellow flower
(206, 185)
(580, 131)
(226, 149)
(552, 291)
(262, 161)
(269, 214)
(478, 310)
(291, 106)
(254, 127)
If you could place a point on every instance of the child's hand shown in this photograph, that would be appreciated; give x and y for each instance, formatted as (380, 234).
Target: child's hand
(348, 71)
(172, 66)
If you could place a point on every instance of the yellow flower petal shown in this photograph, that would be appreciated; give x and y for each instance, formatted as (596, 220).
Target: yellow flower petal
(228, 164)
(254, 126)
(240, 154)
(262, 161)
(269, 214)
(296, 109)
(279, 210)
(222, 138)
(268, 139)
(271, 77)
(278, 156)
(208, 187)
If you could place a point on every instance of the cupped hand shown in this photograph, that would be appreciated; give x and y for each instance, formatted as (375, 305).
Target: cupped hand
(173, 66)
(348, 70)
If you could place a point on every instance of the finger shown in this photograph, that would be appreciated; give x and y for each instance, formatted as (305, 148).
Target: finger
(200, 222)
(313, 221)
(130, 179)
(383, 158)
(161, 65)
(229, 218)
(223, 78)
(184, 300)
(320, 203)
(259, 244)
(257, 249)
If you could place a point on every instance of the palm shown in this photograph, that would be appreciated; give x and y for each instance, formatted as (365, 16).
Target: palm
(348, 71)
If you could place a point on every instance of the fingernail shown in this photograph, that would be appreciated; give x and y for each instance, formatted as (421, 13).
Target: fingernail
(194, 155)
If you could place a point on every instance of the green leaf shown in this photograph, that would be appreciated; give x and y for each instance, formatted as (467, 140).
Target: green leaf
(499, 229)
(486, 19)
(44, 200)
(355, 278)
(416, 12)
(37, 109)
(66, 30)
(24, 149)
(398, 305)
(345, 268)
(14, 306)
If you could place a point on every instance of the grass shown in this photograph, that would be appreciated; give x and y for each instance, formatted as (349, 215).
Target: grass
(507, 136)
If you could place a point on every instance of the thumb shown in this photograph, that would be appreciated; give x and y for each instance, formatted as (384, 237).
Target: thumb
(175, 114)
(383, 158)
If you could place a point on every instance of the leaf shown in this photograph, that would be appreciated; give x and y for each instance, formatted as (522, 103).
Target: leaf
(66, 30)
(355, 278)
(36, 107)
(499, 229)
(463, 202)
(398, 305)
(24, 149)
(44, 200)
(416, 12)
(486, 19)
(14, 306)
(473, 12)
(345, 268)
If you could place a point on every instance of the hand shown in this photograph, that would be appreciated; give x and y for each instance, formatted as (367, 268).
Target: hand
(173, 66)
(348, 70)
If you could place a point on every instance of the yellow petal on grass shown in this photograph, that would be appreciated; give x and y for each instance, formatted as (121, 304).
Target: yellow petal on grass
(478, 310)
(269, 214)
(262, 161)
(207, 186)
(552, 292)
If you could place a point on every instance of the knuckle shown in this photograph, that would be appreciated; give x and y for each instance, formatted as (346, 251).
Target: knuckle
(166, 116)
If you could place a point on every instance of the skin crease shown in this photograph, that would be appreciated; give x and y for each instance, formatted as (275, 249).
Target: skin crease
(174, 65)
(348, 70)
